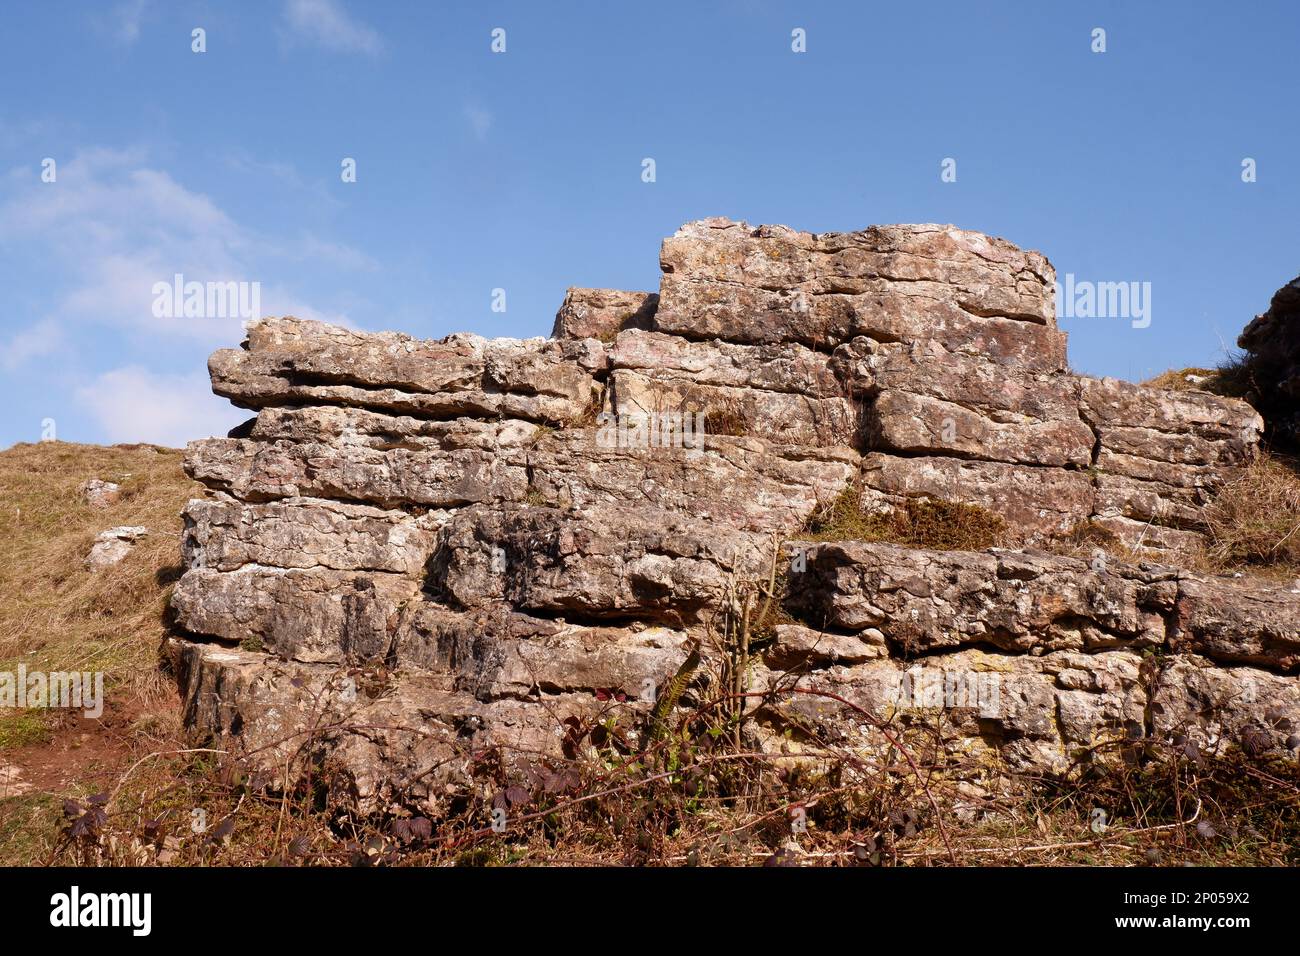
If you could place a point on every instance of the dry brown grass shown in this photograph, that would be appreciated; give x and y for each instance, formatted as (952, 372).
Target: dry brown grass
(1231, 377)
(1254, 520)
(918, 523)
(54, 613)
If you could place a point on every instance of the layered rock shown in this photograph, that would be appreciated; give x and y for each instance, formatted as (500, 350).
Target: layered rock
(1160, 455)
(925, 601)
(602, 562)
(963, 290)
(296, 361)
(944, 344)
(420, 549)
(785, 392)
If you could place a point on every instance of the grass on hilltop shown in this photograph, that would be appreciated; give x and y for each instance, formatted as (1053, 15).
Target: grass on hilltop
(1230, 378)
(56, 614)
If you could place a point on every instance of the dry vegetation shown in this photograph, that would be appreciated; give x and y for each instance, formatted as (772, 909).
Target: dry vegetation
(685, 791)
(56, 615)
(1254, 520)
(918, 523)
(1232, 377)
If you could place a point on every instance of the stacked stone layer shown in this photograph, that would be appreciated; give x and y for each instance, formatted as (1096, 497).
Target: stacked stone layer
(465, 518)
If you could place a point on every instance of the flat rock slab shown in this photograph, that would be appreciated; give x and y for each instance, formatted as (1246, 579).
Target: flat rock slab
(296, 361)
(1022, 601)
(744, 483)
(1037, 503)
(600, 562)
(785, 392)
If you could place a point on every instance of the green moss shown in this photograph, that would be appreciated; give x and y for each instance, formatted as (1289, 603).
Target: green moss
(21, 728)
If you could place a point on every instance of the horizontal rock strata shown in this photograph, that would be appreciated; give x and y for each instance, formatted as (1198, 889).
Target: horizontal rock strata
(295, 361)
(420, 549)
(925, 601)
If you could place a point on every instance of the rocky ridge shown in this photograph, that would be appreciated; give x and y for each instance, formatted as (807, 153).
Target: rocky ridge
(420, 549)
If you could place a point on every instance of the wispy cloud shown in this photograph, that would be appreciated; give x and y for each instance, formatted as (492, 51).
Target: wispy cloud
(115, 226)
(327, 24)
(42, 338)
(132, 404)
(480, 120)
(122, 21)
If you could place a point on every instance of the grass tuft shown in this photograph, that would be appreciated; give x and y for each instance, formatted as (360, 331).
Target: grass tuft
(1254, 520)
(1231, 378)
(918, 523)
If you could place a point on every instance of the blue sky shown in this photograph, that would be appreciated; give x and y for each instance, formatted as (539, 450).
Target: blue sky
(522, 170)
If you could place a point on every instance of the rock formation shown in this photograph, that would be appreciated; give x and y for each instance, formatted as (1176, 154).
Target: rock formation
(1272, 364)
(420, 549)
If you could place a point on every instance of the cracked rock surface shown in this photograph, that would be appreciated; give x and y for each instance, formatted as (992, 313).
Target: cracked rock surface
(418, 549)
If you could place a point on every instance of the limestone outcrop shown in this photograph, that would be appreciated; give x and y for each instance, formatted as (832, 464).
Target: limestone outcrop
(420, 549)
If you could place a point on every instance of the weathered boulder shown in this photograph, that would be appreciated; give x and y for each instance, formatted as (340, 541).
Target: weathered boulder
(603, 313)
(963, 290)
(99, 494)
(113, 545)
(1272, 344)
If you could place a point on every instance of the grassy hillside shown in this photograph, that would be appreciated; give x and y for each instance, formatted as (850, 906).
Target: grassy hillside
(57, 615)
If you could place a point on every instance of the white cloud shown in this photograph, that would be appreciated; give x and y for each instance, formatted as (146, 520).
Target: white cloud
(326, 24)
(40, 339)
(480, 121)
(123, 21)
(114, 227)
(134, 405)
